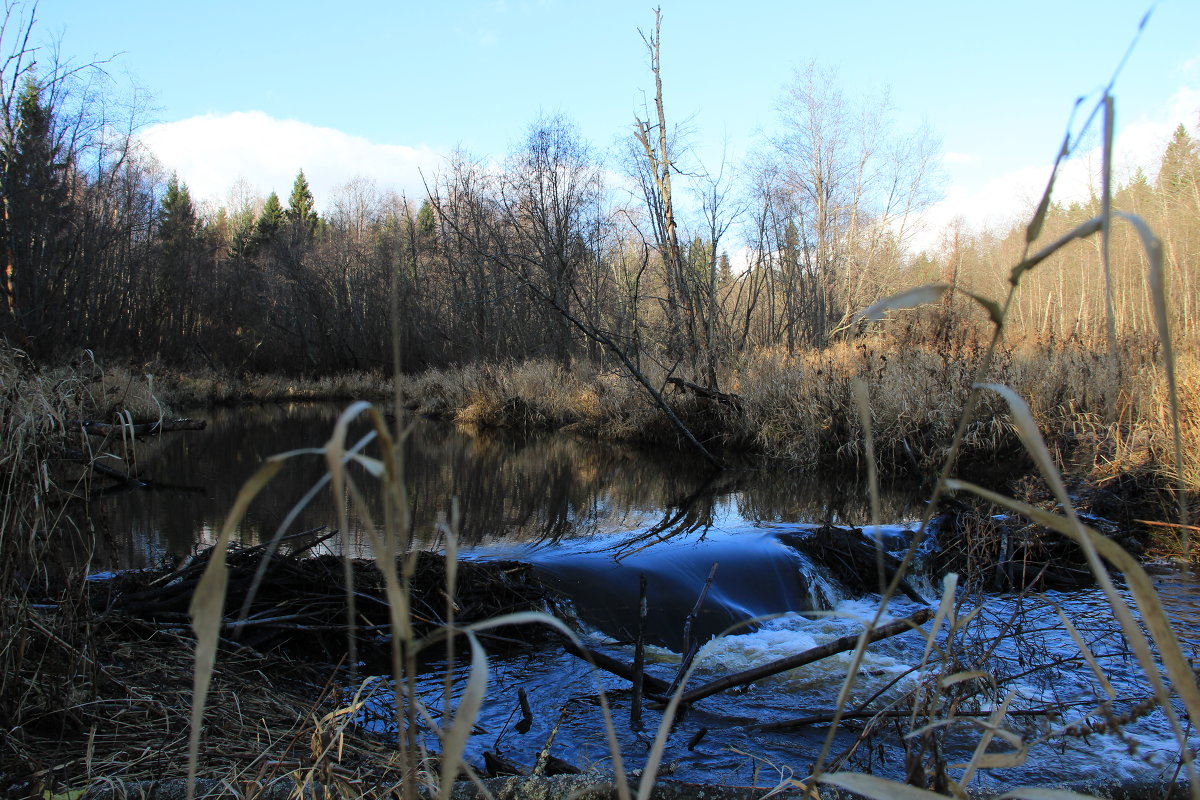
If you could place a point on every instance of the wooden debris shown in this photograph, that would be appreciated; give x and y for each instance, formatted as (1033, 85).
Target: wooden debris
(826, 650)
(300, 603)
(851, 557)
(95, 428)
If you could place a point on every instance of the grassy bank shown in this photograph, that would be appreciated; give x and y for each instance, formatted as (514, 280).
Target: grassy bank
(800, 408)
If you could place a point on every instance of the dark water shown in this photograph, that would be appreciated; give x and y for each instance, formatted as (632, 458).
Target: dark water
(594, 518)
(509, 489)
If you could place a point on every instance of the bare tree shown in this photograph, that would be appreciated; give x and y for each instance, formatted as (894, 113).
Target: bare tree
(845, 192)
(654, 164)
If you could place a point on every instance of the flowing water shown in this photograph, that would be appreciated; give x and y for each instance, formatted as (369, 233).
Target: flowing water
(594, 519)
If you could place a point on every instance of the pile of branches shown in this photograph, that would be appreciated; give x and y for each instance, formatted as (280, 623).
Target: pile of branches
(851, 558)
(298, 603)
(1002, 553)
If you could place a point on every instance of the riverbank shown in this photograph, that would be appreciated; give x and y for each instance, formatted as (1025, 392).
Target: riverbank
(798, 411)
(797, 408)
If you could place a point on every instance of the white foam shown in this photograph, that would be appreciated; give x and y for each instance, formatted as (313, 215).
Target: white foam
(794, 633)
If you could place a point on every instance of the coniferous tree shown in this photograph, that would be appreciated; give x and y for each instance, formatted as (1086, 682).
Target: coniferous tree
(176, 217)
(178, 251)
(34, 172)
(1179, 174)
(301, 211)
(270, 220)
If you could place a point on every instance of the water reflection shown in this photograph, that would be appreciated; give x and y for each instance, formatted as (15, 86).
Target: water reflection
(538, 488)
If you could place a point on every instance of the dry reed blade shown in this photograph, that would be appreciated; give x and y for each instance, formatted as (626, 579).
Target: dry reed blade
(877, 788)
(1153, 248)
(454, 741)
(1154, 617)
(980, 758)
(1034, 230)
(910, 298)
(863, 402)
(1087, 654)
(1094, 546)
(207, 606)
(1080, 231)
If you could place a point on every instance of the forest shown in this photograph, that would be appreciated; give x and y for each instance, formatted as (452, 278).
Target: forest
(631, 293)
(554, 251)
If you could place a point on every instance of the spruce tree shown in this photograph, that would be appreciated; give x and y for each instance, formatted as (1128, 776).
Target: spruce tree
(33, 185)
(269, 221)
(1179, 173)
(426, 221)
(176, 215)
(301, 211)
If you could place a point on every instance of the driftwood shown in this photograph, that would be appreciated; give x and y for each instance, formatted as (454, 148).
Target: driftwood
(654, 687)
(125, 481)
(826, 717)
(839, 645)
(690, 647)
(94, 428)
(732, 400)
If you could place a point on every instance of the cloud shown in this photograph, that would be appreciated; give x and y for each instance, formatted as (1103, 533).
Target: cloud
(212, 153)
(1011, 198)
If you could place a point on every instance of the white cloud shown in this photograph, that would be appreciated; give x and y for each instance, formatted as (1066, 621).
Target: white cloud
(1011, 197)
(212, 153)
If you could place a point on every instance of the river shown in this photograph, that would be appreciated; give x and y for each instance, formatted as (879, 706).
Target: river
(594, 518)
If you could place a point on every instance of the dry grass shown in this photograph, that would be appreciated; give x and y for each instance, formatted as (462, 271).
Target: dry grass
(800, 409)
(197, 389)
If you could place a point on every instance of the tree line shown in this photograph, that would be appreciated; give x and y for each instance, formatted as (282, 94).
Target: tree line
(545, 254)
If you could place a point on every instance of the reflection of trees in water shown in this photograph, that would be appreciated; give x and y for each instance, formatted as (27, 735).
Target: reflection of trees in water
(537, 488)
(786, 496)
(508, 487)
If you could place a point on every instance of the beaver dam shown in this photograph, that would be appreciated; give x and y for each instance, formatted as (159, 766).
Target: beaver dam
(742, 594)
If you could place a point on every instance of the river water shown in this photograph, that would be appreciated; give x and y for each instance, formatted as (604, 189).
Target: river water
(595, 518)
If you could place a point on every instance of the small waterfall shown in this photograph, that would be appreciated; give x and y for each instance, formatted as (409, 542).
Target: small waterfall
(758, 576)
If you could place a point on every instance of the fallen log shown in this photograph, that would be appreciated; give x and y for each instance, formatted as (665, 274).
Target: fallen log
(300, 602)
(839, 645)
(715, 395)
(95, 428)
(652, 685)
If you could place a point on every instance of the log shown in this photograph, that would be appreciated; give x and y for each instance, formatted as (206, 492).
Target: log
(652, 685)
(839, 645)
(95, 428)
(725, 398)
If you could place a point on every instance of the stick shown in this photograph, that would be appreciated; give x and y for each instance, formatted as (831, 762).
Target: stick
(690, 648)
(639, 658)
(142, 429)
(839, 645)
(828, 716)
(652, 684)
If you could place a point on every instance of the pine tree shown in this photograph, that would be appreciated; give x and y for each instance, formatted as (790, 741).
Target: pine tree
(301, 211)
(269, 221)
(1179, 174)
(33, 173)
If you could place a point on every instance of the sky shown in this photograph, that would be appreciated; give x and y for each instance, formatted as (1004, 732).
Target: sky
(247, 93)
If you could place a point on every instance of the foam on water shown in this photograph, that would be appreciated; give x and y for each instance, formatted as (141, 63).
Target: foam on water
(793, 633)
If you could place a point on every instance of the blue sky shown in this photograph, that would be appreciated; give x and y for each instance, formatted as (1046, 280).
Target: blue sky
(257, 90)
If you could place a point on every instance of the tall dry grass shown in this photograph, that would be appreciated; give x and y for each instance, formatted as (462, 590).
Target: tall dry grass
(48, 668)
